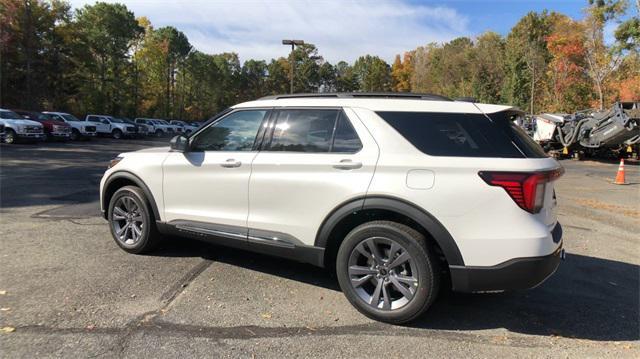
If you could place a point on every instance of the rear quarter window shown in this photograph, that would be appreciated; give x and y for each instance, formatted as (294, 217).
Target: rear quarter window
(463, 135)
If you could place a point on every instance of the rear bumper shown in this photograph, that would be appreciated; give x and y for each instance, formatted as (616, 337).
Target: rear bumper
(515, 274)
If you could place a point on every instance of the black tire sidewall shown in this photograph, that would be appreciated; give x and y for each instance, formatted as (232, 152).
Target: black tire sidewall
(135, 192)
(117, 134)
(426, 287)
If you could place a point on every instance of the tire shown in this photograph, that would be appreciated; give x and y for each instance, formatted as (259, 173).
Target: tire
(117, 134)
(133, 211)
(10, 136)
(405, 288)
(158, 133)
(75, 135)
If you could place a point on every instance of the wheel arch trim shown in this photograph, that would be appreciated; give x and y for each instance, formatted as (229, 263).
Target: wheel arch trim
(133, 178)
(423, 218)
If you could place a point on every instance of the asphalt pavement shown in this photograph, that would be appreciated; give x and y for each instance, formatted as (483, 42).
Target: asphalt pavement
(67, 290)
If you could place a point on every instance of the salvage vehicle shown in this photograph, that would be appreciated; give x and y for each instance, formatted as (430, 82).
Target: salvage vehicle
(591, 132)
(187, 128)
(79, 129)
(400, 194)
(111, 126)
(53, 128)
(17, 127)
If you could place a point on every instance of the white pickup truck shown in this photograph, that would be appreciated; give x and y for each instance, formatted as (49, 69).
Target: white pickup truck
(16, 127)
(111, 126)
(79, 129)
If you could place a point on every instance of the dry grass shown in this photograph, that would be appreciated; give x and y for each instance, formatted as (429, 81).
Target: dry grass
(626, 211)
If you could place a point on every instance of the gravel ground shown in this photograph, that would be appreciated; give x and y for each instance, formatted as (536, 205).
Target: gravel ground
(67, 290)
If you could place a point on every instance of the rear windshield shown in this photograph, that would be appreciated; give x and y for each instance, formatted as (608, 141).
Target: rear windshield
(464, 135)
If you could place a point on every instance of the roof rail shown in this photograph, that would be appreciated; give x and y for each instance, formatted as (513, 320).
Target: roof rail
(389, 95)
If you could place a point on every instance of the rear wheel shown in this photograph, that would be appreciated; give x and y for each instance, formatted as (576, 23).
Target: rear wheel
(131, 221)
(117, 134)
(75, 135)
(387, 271)
(158, 133)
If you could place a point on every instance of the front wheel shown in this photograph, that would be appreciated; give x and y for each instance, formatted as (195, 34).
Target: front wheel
(10, 136)
(158, 133)
(75, 135)
(387, 271)
(117, 134)
(131, 221)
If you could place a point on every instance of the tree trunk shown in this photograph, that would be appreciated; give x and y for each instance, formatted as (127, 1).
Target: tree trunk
(600, 95)
(28, 101)
(533, 86)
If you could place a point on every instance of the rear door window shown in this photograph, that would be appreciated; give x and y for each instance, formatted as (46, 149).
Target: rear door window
(462, 135)
(345, 139)
(304, 130)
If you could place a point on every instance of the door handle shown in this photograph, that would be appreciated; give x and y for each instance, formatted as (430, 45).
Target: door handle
(231, 163)
(347, 165)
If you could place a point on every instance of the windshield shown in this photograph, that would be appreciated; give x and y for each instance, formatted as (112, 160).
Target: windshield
(70, 117)
(179, 123)
(116, 120)
(10, 115)
(162, 122)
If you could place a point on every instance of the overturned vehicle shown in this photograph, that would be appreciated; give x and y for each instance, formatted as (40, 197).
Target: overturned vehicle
(605, 133)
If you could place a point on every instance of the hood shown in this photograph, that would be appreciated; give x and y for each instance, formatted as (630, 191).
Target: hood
(154, 150)
(21, 122)
(54, 123)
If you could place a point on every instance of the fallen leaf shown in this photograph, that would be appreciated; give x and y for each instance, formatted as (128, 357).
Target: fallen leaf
(266, 315)
(3, 292)
(8, 329)
(5, 309)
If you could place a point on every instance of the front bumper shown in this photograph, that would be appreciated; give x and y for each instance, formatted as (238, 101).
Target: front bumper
(31, 136)
(60, 134)
(514, 274)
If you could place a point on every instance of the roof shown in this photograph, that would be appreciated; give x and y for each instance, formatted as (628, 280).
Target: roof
(376, 102)
(379, 95)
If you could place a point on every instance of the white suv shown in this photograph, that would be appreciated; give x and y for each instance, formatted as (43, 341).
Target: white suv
(399, 193)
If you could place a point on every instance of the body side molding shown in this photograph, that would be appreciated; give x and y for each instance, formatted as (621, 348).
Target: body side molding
(425, 219)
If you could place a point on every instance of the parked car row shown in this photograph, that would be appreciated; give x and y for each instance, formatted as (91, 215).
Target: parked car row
(38, 126)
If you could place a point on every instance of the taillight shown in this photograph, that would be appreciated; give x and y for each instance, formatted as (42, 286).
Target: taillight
(525, 188)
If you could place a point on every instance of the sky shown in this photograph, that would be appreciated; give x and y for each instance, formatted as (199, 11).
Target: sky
(341, 29)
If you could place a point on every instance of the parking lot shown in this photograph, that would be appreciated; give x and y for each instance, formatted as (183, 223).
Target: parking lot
(66, 289)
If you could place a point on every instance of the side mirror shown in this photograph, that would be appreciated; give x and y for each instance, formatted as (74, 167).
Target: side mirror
(179, 144)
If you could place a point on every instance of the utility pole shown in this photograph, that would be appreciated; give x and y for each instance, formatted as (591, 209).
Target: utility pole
(293, 44)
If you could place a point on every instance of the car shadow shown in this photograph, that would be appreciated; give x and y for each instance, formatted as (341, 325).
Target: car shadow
(587, 298)
(33, 174)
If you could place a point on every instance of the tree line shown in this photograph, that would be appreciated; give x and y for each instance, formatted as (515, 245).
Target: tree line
(102, 59)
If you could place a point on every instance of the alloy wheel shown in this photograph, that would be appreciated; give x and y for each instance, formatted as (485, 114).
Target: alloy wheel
(127, 220)
(383, 273)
